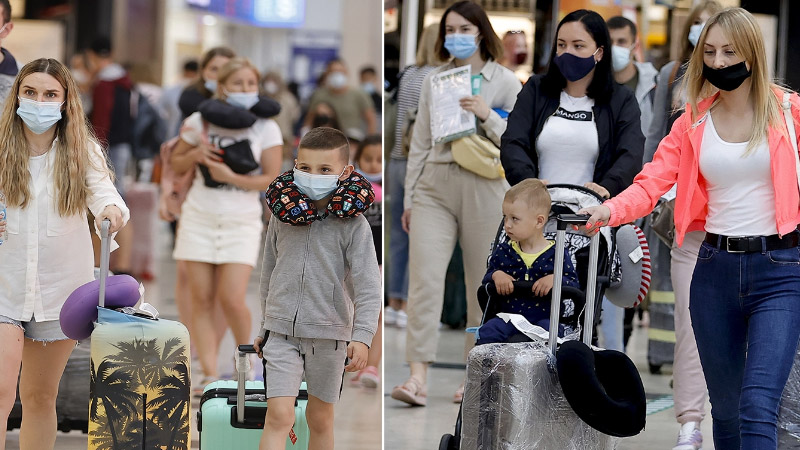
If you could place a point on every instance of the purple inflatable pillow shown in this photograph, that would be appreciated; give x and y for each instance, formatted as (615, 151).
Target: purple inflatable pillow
(80, 310)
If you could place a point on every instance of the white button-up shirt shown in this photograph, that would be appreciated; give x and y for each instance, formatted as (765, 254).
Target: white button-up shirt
(48, 256)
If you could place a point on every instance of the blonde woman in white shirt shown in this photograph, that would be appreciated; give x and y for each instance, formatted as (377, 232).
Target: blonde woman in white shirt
(220, 229)
(51, 171)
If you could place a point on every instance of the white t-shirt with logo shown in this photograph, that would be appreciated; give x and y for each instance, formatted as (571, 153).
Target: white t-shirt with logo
(263, 134)
(568, 145)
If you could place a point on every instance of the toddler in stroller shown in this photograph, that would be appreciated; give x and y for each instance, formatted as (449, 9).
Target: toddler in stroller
(517, 282)
(525, 256)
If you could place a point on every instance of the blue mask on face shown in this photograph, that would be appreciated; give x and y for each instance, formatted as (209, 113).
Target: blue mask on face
(316, 187)
(39, 116)
(574, 67)
(211, 85)
(244, 100)
(461, 46)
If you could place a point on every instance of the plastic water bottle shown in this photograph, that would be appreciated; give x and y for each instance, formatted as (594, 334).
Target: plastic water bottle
(4, 234)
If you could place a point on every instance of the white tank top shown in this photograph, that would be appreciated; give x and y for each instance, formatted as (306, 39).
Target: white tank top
(741, 198)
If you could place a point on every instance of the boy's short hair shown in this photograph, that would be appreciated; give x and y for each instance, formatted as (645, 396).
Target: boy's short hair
(533, 191)
(324, 138)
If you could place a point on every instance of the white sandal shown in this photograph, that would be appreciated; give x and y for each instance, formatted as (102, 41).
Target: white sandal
(412, 392)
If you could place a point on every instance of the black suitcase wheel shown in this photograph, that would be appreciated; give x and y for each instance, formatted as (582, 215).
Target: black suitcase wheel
(446, 442)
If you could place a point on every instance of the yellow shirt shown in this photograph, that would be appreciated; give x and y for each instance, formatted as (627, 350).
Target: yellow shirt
(530, 258)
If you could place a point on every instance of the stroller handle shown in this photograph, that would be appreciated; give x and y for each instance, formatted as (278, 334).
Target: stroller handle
(527, 286)
(571, 219)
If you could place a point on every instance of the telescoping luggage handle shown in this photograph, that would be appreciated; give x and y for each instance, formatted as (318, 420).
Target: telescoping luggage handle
(242, 367)
(105, 255)
(563, 221)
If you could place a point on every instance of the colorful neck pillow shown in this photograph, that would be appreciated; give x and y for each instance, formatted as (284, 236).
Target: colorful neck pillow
(290, 205)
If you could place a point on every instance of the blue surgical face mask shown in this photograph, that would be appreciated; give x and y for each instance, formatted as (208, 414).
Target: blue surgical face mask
(460, 45)
(694, 33)
(620, 57)
(39, 116)
(574, 67)
(211, 85)
(316, 187)
(244, 100)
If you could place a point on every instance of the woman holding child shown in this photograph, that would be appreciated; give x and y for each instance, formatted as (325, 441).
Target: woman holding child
(221, 220)
(732, 157)
(445, 202)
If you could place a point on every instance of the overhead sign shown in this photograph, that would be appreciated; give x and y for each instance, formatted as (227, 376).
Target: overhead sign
(261, 13)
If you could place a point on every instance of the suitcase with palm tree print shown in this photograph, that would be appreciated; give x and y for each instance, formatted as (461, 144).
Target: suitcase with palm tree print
(140, 379)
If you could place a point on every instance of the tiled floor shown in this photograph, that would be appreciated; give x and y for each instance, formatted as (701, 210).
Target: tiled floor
(419, 428)
(358, 416)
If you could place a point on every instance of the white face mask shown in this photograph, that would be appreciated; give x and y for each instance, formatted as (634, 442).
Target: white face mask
(694, 33)
(316, 187)
(620, 57)
(337, 80)
(271, 87)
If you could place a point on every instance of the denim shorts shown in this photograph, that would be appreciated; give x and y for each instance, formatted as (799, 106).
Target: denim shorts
(47, 331)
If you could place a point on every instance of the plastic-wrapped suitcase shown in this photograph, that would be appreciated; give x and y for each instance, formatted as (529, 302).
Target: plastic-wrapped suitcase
(140, 379)
(142, 199)
(512, 396)
(223, 423)
(789, 412)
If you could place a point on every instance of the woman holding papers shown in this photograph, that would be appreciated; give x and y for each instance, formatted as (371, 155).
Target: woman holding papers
(445, 202)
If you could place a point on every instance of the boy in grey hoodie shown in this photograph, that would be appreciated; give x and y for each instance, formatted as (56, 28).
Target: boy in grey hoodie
(320, 293)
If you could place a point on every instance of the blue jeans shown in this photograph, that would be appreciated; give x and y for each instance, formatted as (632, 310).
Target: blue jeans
(397, 263)
(745, 310)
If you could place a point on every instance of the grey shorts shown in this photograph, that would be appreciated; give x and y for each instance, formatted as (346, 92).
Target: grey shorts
(288, 358)
(47, 331)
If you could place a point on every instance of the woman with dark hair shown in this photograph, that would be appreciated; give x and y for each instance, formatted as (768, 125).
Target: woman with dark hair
(205, 86)
(448, 202)
(574, 124)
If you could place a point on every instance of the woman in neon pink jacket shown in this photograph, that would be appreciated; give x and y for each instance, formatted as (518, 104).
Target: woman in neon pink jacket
(734, 164)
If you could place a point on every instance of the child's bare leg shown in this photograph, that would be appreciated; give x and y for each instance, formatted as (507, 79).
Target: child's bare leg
(278, 422)
(319, 415)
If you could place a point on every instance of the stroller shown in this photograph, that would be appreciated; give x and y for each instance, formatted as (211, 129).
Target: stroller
(565, 199)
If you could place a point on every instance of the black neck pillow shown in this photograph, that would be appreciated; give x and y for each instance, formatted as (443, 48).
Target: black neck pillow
(603, 388)
(225, 115)
(290, 205)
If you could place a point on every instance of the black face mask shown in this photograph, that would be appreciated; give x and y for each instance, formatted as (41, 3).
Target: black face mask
(727, 78)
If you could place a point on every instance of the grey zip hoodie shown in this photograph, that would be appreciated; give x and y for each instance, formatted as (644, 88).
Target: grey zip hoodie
(321, 281)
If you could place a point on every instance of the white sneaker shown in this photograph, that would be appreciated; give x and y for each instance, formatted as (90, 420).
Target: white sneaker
(402, 319)
(690, 437)
(389, 316)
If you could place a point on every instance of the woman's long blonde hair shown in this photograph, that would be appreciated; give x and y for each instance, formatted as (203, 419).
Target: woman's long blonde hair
(745, 36)
(73, 139)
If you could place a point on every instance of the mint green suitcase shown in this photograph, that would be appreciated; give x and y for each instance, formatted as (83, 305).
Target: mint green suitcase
(221, 427)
